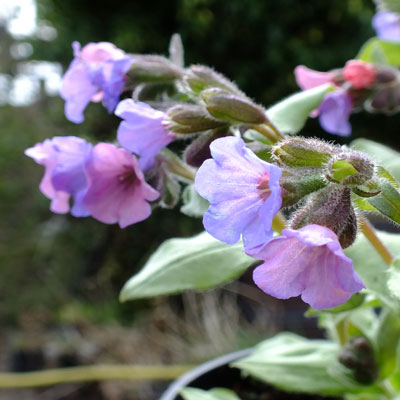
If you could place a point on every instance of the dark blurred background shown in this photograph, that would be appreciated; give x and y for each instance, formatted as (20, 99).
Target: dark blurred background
(60, 276)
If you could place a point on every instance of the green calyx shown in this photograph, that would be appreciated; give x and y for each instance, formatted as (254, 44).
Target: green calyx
(342, 169)
(301, 153)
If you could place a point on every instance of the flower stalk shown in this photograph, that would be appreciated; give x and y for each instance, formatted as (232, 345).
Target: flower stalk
(372, 237)
(91, 373)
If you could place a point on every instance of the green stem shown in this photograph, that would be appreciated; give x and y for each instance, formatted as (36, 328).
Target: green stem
(177, 166)
(91, 373)
(267, 131)
(372, 237)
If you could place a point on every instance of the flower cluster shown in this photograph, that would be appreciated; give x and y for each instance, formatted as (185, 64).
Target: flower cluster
(245, 195)
(245, 189)
(97, 73)
(104, 181)
(349, 83)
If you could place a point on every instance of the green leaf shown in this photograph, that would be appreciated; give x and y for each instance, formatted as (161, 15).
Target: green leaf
(213, 394)
(290, 114)
(296, 364)
(387, 343)
(200, 262)
(355, 301)
(371, 268)
(389, 5)
(388, 201)
(193, 204)
(362, 203)
(394, 278)
(388, 158)
(381, 52)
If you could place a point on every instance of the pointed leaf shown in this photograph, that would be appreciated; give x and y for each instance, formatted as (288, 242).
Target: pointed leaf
(394, 278)
(290, 114)
(388, 201)
(200, 262)
(372, 269)
(381, 52)
(213, 394)
(293, 363)
(387, 343)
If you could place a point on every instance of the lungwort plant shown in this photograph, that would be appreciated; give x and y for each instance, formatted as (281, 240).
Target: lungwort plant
(296, 206)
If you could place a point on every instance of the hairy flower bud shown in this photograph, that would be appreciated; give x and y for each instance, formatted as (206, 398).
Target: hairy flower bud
(233, 108)
(358, 355)
(150, 68)
(300, 152)
(297, 186)
(385, 75)
(188, 118)
(330, 207)
(200, 77)
(199, 150)
(386, 100)
(350, 169)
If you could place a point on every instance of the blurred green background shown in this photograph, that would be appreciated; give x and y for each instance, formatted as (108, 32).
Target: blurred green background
(56, 269)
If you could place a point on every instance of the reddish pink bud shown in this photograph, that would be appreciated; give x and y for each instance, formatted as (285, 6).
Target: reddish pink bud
(359, 73)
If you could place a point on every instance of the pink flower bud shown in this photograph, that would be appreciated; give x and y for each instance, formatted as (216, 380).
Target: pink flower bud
(359, 74)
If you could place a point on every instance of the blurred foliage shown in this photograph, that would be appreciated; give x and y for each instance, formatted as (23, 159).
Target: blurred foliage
(49, 261)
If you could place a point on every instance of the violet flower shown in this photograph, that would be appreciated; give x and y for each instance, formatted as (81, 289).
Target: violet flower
(142, 131)
(63, 159)
(334, 113)
(97, 73)
(307, 78)
(307, 262)
(117, 191)
(243, 191)
(387, 25)
(335, 109)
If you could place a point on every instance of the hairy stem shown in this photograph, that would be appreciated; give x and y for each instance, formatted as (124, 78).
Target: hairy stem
(372, 237)
(268, 132)
(91, 373)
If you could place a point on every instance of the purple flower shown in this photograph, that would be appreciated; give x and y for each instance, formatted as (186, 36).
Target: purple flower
(307, 262)
(117, 191)
(63, 159)
(142, 131)
(334, 113)
(387, 25)
(97, 73)
(243, 191)
(307, 78)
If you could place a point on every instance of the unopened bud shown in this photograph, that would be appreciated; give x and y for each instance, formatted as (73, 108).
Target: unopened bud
(359, 73)
(200, 77)
(297, 186)
(233, 108)
(301, 152)
(350, 168)
(330, 207)
(148, 68)
(199, 150)
(358, 355)
(385, 75)
(188, 118)
(386, 100)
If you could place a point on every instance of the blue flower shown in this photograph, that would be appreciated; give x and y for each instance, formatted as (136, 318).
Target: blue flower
(243, 191)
